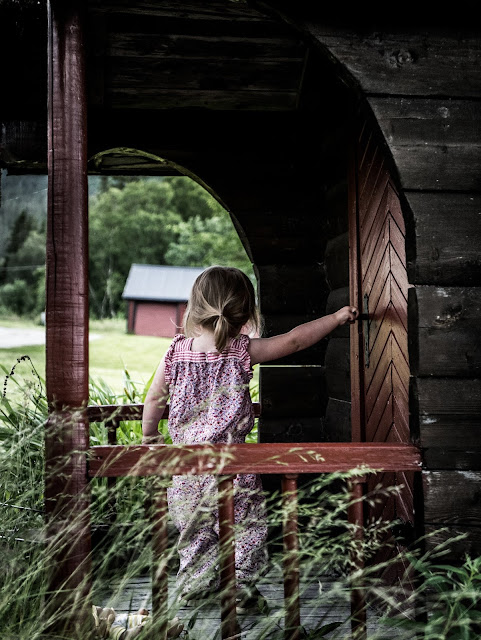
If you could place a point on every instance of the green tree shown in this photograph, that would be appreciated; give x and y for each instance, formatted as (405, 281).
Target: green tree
(28, 258)
(17, 297)
(190, 199)
(134, 224)
(201, 243)
(23, 225)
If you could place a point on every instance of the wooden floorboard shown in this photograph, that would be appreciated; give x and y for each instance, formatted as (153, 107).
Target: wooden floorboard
(319, 607)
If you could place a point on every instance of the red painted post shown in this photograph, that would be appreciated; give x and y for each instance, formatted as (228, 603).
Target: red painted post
(66, 439)
(358, 599)
(227, 557)
(291, 557)
(160, 544)
(112, 426)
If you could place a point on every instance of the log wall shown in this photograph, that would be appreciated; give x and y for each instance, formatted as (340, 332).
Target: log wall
(422, 85)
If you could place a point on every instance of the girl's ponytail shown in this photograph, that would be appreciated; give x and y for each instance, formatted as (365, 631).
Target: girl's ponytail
(222, 300)
(222, 332)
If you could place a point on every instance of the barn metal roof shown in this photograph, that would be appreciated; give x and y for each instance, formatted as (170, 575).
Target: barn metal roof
(160, 283)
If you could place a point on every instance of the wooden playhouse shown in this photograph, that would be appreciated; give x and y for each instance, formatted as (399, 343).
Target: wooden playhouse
(347, 147)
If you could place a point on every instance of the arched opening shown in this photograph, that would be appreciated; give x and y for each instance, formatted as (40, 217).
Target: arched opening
(153, 227)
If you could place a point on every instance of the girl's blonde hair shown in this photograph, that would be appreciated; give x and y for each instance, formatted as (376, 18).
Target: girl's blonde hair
(222, 300)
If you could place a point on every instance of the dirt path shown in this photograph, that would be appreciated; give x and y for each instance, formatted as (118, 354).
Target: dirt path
(11, 337)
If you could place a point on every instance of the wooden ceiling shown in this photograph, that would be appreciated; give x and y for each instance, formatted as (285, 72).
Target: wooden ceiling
(150, 62)
(220, 55)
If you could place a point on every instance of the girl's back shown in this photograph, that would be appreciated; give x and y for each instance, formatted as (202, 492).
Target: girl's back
(209, 392)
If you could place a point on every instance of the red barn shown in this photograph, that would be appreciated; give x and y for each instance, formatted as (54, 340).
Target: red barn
(156, 298)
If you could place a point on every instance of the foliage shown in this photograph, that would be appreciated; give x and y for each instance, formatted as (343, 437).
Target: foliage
(22, 274)
(133, 224)
(447, 601)
(151, 221)
(164, 220)
(328, 544)
(203, 242)
(15, 297)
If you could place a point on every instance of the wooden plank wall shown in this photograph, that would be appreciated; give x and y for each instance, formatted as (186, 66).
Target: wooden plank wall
(423, 87)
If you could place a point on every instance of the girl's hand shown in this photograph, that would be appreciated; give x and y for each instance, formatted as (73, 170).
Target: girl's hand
(347, 314)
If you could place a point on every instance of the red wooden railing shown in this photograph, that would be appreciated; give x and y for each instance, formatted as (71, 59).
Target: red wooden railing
(225, 461)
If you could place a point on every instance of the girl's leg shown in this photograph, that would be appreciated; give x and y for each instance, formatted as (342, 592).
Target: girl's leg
(193, 508)
(251, 530)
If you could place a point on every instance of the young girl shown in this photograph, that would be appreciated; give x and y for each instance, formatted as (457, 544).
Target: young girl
(206, 372)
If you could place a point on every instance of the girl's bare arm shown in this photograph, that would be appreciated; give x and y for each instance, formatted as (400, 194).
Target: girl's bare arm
(154, 406)
(301, 337)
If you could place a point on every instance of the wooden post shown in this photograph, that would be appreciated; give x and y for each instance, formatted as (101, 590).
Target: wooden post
(291, 557)
(160, 542)
(112, 426)
(227, 557)
(66, 439)
(358, 599)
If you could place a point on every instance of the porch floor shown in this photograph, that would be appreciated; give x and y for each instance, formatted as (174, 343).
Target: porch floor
(319, 607)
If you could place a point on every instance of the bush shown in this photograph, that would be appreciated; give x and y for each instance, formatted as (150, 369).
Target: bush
(17, 297)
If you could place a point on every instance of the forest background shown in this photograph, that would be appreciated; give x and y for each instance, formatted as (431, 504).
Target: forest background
(168, 220)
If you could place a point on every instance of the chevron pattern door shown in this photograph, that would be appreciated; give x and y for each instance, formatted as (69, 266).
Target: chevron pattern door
(380, 368)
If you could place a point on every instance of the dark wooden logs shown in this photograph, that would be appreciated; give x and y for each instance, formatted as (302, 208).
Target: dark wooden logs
(428, 140)
(406, 62)
(66, 437)
(449, 339)
(450, 423)
(293, 402)
(452, 497)
(448, 238)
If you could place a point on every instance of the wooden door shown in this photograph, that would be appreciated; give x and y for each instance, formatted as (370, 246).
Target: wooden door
(379, 358)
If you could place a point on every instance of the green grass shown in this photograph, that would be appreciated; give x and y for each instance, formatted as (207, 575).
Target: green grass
(111, 353)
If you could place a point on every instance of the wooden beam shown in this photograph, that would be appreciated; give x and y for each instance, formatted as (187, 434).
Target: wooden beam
(313, 457)
(435, 143)
(66, 437)
(406, 62)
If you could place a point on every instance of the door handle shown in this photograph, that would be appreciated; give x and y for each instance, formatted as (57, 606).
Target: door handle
(365, 328)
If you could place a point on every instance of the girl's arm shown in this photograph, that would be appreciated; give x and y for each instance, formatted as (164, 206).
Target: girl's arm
(154, 406)
(301, 337)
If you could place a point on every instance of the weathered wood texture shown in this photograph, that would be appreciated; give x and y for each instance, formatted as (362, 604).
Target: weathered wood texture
(450, 423)
(429, 141)
(165, 460)
(201, 59)
(380, 363)
(406, 62)
(318, 607)
(460, 505)
(423, 87)
(456, 540)
(448, 331)
(67, 365)
(447, 238)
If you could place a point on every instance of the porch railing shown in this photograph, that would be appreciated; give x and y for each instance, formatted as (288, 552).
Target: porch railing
(285, 459)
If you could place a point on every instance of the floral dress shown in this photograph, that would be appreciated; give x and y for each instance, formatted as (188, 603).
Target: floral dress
(210, 402)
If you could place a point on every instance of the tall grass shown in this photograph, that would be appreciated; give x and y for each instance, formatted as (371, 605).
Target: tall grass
(446, 602)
